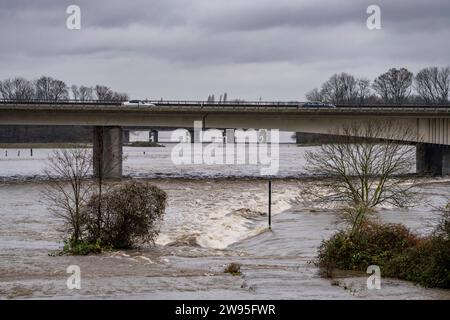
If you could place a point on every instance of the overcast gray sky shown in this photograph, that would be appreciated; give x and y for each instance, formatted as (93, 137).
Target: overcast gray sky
(188, 49)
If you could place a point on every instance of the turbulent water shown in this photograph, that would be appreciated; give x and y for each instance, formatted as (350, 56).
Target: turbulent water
(211, 220)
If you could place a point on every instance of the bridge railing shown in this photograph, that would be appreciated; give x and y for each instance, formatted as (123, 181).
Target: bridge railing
(233, 104)
(59, 101)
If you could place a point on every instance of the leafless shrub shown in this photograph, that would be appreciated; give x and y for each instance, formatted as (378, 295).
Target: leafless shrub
(69, 187)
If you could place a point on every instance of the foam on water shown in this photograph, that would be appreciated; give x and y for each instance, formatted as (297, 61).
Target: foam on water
(225, 218)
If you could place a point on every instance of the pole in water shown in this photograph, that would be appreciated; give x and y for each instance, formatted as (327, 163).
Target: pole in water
(270, 204)
(31, 151)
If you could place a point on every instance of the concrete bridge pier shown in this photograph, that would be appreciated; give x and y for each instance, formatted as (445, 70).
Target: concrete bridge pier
(432, 159)
(195, 136)
(228, 135)
(107, 153)
(153, 136)
(191, 136)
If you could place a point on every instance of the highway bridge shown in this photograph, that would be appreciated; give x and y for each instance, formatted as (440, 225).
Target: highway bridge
(430, 124)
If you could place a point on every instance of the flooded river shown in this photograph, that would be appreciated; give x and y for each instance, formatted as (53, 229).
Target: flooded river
(215, 215)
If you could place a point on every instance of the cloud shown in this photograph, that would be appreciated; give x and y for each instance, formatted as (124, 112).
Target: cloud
(189, 49)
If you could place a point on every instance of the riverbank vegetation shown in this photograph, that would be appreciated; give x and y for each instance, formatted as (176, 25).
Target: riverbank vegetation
(233, 268)
(98, 216)
(363, 175)
(398, 252)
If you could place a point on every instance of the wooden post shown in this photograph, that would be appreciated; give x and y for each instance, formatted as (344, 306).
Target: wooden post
(270, 204)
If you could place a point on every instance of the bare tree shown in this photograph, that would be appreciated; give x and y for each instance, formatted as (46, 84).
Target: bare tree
(394, 86)
(75, 92)
(340, 89)
(85, 93)
(43, 88)
(363, 90)
(363, 174)
(48, 88)
(314, 95)
(103, 92)
(59, 90)
(17, 89)
(118, 96)
(69, 187)
(432, 84)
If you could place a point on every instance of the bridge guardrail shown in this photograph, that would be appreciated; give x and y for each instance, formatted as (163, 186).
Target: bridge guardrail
(234, 105)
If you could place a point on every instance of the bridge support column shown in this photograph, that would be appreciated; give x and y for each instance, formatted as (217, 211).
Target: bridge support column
(298, 137)
(153, 136)
(108, 152)
(432, 159)
(191, 134)
(229, 136)
(195, 135)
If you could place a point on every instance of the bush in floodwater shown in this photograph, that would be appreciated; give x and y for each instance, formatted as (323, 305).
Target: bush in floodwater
(374, 244)
(398, 252)
(427, 263)
(127, 215)
(82, 248)
(233, 268)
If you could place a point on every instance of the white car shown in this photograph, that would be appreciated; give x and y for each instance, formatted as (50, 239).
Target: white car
(138, 103)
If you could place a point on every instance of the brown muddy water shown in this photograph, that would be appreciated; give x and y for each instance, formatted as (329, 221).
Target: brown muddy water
(209, 223)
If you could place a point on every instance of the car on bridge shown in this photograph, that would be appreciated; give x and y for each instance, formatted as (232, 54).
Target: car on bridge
(138, 103)
(317, 104)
